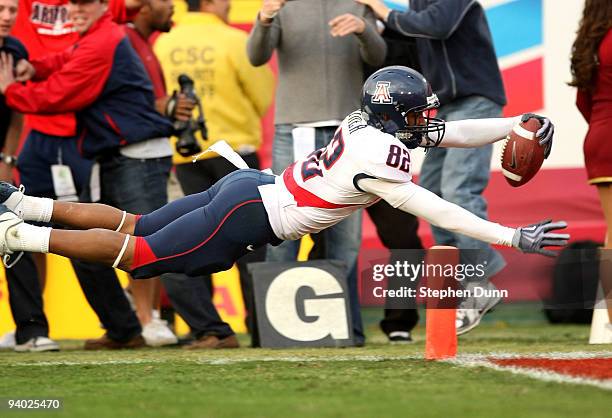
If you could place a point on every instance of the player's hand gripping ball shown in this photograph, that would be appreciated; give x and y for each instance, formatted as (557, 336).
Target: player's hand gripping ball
(525, 149)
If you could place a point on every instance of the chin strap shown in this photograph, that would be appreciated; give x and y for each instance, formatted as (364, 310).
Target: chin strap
(122, 251)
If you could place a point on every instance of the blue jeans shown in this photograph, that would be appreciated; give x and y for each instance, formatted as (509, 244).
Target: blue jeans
(342, 241)
(138, 186)
(460, 175)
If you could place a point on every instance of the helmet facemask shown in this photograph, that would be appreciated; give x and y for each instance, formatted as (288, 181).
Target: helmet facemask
(421, 130)
(412, 126)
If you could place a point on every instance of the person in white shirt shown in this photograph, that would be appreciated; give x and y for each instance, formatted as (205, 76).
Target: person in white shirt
(368, 159)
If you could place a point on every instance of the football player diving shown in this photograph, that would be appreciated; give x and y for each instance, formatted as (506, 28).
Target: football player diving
(368, 159)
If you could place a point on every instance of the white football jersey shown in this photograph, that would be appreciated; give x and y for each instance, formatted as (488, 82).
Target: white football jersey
(322, 189)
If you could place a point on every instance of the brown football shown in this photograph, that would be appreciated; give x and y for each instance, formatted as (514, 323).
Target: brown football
(522, 155)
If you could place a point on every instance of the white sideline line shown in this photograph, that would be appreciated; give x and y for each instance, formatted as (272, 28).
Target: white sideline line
(297, 359)
(83, 363)
(215, 361)
(465, 360)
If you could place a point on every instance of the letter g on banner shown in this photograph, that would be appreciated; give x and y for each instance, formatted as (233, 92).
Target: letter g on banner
(300, 304)
(282, 303)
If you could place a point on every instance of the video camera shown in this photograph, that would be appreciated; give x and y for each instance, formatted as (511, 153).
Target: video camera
(187, 143)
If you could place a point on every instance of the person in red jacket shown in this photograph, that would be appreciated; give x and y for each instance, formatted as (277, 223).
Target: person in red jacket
(100, 78)
(87, 79)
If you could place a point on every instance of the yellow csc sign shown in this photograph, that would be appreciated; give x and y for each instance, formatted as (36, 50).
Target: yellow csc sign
(192, 55)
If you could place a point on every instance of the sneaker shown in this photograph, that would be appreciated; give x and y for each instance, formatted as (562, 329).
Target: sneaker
(7, 341)
(8, 220)
(212, 342)
(400, 337)
(471, 310)
(11, 196)
(156, 333)
(37, 345)
(106, 343)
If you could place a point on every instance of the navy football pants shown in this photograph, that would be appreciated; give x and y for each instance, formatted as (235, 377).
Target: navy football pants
(206, 232)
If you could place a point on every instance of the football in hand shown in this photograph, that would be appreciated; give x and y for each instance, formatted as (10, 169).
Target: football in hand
(522, 155)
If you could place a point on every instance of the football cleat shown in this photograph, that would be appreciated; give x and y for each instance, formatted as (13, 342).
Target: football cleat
(12, 197)
(8, 221)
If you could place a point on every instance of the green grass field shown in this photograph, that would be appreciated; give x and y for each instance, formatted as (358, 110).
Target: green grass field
(378, 380)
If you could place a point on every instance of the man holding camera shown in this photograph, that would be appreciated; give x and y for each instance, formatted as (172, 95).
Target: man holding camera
(155, 16)
(235, 96)
(190, 296)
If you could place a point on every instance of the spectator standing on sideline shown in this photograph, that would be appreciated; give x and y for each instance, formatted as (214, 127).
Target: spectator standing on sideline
(25, 295)
(322, 46)
(235, 96)
(45, 27)
(155, 16)
(397, 230)
(457, 57)
(103, 80)
(189, 295)
(591, 66)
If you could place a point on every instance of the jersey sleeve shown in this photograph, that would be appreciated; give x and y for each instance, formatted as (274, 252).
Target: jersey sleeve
(414, 199)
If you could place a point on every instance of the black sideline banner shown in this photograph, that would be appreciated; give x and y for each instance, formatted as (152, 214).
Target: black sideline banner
(302, 304)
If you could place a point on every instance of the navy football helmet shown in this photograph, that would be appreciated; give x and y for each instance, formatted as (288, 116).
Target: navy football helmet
(398, 100)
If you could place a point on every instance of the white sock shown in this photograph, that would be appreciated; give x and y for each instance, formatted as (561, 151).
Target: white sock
(30, 238)
(30, 208)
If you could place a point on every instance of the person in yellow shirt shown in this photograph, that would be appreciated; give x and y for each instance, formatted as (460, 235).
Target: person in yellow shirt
(235, 96)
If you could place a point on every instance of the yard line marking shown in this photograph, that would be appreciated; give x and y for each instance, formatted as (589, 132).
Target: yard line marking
(298, 359)
(215, 361)
(83, 363)
(470, 360)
